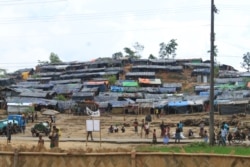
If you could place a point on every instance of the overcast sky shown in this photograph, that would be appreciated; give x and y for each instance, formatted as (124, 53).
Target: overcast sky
(81, 30)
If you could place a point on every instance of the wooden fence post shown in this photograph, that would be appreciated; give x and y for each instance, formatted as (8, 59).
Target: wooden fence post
(133, 157)
(15, 163)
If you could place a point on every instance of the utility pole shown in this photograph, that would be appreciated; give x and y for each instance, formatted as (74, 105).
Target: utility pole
(211, 97)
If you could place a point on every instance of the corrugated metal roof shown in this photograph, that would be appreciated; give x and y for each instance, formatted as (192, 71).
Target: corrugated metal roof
(65, 81)
(227, 80)
(34, 94)
(67, 88)
(140, 74)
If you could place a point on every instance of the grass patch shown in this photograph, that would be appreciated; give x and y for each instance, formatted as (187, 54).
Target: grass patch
(197, 147)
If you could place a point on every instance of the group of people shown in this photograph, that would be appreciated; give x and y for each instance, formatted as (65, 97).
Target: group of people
(165, 131)
(115, 129)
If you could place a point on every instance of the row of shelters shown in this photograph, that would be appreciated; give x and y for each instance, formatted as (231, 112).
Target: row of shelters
(137, 89)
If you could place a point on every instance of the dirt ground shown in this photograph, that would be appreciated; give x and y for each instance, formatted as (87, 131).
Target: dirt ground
(74, 127)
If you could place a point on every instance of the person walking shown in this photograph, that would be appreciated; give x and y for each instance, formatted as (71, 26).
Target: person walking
(163, 129)
(154, 137)
(177, 134)
(146, 130)
(136, 126)
(223, 135)
(166, 135)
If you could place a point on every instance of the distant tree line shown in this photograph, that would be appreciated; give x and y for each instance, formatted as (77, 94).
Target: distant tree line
(166, 51)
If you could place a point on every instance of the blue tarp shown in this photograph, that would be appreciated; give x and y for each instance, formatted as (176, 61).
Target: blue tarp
(204, 94)
(177, 103)
(116, 89)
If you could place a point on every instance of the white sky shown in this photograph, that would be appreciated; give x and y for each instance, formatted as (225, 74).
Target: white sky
(81, 30)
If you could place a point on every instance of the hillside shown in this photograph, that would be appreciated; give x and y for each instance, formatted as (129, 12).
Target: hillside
(185, 78)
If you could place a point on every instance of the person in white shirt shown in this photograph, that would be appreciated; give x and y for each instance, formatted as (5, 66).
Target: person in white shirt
(223, 136)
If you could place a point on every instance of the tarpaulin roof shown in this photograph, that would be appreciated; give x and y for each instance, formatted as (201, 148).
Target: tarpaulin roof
(39, 101)
(228, 101)
(67, 88)
(105, 98)
(172, 85)
(177, 103)
(167, 90)
(95, 83)
(119, 103)
(150, 81)
(131, 89)
(131, 83)
(229, 86)
(94, 89)
(140, 74)
(34, 94)
(116, 89)
(227, 80)
(83, 94)
(65, 81)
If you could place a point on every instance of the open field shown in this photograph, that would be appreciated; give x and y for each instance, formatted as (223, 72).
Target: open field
(73, 131)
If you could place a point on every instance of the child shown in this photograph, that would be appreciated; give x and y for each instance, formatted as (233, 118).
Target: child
(123, 129)
(154, 137)
(205, 136)
(166, 137)
(40, 141)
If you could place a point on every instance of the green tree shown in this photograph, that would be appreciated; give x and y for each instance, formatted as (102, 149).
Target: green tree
(42, 62)
(167, 50)
(138, 49)
(151, 56)
(215, 51)
(117, 55)
(54, 58)
(60, 97)
(246, 61)
(129, 52)
(112, 79)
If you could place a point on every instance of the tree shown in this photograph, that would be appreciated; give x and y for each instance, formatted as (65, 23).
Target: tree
(167, 50)
(130, 53)
(112, 79)
(151, 56)
(42, 62)
(138, 49)
(215, 51)
(246, 61)
(117, 55)
(54, 58)
(162, 52)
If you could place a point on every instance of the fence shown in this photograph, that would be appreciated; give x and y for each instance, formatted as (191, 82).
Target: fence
(119, 159)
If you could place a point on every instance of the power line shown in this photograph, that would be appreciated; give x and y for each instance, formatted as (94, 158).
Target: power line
(96, 16)
(21, 2)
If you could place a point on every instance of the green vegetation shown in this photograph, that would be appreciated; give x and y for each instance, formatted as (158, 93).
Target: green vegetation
(36, 76)
(197, 147)
(246, 61)
(60, 97)
(112, 79)
(30, 109)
